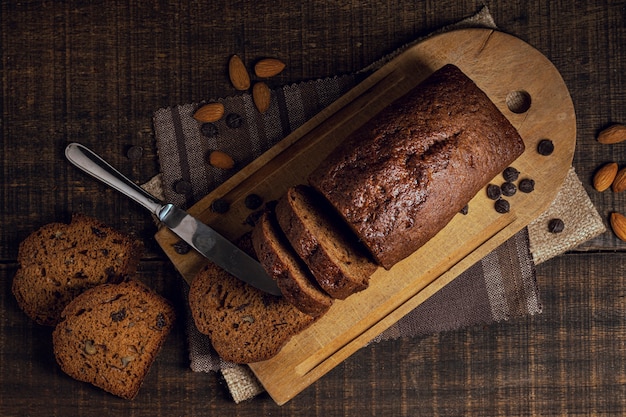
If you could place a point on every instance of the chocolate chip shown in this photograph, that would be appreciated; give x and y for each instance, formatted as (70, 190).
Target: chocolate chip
(181, 247)
(234, 120)
(182, 187)
(209, 130)
(253, 201)
(510, 174)
(502, 206)
(556, 226)
(117, 316)
(220, 205)
(508, 189)
(493, 192)
(464, 210)
(527, 185)
(545, 147)
(98, 232)
(134, 153)
(160, 321)
(253, 218)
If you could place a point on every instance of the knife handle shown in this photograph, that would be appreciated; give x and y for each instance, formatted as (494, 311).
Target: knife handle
(92, 164)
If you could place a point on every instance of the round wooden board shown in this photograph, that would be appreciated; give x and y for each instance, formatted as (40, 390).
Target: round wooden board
(501, 65)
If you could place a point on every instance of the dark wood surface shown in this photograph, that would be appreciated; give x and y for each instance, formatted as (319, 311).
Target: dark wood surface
(95, 71)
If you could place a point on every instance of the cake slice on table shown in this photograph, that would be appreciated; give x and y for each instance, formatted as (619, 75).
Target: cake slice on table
(111, 334)
(59, 261)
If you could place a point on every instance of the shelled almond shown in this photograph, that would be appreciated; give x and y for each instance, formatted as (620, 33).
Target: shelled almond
(268, 67)
(238, 73)
(221, 160)
(209, 113)
(618, 224)
(612, 134)
(605, 176)
(261, 96)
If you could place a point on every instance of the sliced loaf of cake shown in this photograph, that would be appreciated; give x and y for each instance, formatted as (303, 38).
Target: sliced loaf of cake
(292, 276)
(340, 266)
(110, 335)
(60, 261)
(244, 324)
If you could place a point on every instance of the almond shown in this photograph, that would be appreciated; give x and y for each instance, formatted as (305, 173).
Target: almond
(618, 224)
(613, 134)
(619, 183)
(238, 74)
(221, 160)
(261, 96)
(268, 67)
(208, 113)
(605, 176)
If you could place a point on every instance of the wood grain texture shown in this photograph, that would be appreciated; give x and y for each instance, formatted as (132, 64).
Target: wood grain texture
(95, 71)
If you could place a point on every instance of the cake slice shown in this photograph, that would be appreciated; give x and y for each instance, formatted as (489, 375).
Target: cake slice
(110, 335)
(60, 261)
(244, 324)
(292, 276)
(340, 266)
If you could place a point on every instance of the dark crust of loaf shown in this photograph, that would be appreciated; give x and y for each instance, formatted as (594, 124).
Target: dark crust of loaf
(339, 265)
(244, 324)
(417, 163)
(292, 276)
(111, 334)
(60, 261)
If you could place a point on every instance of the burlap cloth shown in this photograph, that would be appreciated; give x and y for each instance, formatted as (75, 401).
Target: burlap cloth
(502, 285)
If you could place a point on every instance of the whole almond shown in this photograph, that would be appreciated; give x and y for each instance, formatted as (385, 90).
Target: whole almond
(605, 176)
(261, 96)
(618, 224)
(238, 74)
(221, 160)
(619, 183)
(613, 134)
(268, 67)
(208, 113)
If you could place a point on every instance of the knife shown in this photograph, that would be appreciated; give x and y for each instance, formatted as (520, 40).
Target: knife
(198, 235)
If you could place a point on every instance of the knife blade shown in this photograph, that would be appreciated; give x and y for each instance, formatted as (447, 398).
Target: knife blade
(198, 235)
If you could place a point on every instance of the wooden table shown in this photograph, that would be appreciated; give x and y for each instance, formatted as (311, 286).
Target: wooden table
(95, 72)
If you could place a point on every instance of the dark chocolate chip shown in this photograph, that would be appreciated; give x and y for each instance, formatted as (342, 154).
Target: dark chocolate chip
(502, 206)
(510, 174)
(465, 210)
(493, 192)
(181, 247)
(160, 321)
(545, 147)
(527, 185)
(209, 130)
(118, 315)
(508, 189)
(556, 226)
(182, 187)
(253, 218)
(98, 232)
(134, 153)
(220, 205)
(234, 120)
(253, 201)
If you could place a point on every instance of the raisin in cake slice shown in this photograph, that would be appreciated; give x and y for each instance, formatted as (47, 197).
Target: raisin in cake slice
(326, 245)
(110, 335)
(292, 276)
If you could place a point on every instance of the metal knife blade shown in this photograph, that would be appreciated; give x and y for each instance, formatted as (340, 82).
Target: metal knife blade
(198, 235)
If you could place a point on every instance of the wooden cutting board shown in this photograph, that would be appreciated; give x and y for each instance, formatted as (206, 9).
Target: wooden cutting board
(515, 76)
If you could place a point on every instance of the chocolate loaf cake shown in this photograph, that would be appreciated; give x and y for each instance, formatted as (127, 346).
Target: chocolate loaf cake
(400, 178)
